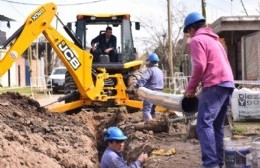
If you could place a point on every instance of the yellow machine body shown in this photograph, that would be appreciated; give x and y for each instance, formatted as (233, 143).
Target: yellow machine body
(77, 60)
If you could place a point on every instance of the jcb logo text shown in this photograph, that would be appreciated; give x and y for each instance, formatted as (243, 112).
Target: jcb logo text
(69, 55)
(38, 14)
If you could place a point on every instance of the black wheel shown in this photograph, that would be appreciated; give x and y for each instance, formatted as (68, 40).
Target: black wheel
(54, 91)
(70, 87)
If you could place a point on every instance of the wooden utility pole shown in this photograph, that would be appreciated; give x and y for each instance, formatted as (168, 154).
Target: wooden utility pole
(170, 39)
(203, 6)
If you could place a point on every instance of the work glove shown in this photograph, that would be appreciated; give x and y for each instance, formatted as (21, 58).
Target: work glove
(135, 88)
(189, 94)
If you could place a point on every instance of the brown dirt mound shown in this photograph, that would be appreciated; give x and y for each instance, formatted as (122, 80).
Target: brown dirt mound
(33, 137)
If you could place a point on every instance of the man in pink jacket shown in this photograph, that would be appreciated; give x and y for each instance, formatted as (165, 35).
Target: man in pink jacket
(211, 68)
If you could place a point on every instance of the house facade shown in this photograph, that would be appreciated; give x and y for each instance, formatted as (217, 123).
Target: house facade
(241, 37)
(23, 73)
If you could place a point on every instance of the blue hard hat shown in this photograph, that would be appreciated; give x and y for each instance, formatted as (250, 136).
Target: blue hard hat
(113, 133)
(191, 19)
(153, 57)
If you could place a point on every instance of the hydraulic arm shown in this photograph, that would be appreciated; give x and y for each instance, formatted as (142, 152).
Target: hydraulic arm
(71, 55)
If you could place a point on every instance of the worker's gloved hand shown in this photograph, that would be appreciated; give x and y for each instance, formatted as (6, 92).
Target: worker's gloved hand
(135, 88)
(189, 94)
(143, 157)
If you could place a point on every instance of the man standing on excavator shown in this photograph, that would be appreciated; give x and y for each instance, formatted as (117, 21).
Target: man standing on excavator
(210, 67)
(112, 157)
(152, 79)
(105, 43)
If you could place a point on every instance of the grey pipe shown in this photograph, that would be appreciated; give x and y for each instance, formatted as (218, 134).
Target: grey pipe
(174, 102)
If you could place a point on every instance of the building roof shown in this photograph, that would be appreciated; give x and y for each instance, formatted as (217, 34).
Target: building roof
(234, 27)
(236, 23)
(4, 18)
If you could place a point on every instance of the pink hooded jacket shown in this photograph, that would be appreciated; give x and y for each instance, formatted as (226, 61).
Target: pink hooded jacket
(210, 63)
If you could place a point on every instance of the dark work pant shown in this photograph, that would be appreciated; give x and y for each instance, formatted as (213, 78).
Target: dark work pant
(113, 56)
(96, 55)
(153, 112)
(213, 107)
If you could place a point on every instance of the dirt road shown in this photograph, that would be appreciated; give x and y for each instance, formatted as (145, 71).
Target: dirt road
(48, 99)
(32, 137)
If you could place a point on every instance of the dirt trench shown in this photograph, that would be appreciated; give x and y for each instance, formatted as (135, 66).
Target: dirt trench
(32, 137)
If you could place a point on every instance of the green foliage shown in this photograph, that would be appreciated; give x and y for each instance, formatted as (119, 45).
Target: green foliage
(167, 90)
(239, 130)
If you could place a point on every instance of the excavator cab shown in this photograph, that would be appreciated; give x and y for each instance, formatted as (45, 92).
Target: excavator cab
(88, 26)
(123, 73)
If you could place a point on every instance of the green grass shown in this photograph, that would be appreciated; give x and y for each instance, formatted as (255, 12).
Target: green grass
(26, 91)
(239, 130)
(21, 90)
(247, 127)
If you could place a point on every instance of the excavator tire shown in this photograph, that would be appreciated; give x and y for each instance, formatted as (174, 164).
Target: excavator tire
(131, 82)
(70, 86)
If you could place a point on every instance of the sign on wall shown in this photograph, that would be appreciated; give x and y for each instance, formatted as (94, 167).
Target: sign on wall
(245, 104)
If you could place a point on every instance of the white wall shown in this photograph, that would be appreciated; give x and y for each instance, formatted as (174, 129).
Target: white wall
(4, 78)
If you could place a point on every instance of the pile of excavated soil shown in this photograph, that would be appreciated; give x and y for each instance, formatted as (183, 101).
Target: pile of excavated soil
(32, 137)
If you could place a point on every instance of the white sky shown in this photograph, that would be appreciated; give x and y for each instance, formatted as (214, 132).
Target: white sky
(155, 9)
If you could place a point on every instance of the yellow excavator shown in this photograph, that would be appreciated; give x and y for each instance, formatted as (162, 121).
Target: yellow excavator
(88, 83)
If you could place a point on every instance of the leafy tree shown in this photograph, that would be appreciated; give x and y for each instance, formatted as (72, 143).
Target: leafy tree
(157, 40)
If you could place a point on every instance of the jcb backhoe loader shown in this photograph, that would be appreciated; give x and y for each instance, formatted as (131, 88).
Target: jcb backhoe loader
(87, 83)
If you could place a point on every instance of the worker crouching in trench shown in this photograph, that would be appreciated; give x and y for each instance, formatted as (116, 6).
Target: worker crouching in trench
(112, 157)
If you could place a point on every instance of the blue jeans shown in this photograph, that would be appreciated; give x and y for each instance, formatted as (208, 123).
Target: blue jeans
(147, 110)
(212, 110)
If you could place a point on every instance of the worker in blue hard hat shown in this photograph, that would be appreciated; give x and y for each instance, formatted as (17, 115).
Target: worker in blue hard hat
(152, 79)
(212, 69)
(112, 157)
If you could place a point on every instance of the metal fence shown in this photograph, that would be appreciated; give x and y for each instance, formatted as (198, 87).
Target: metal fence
(40, 85)
(176, 84)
